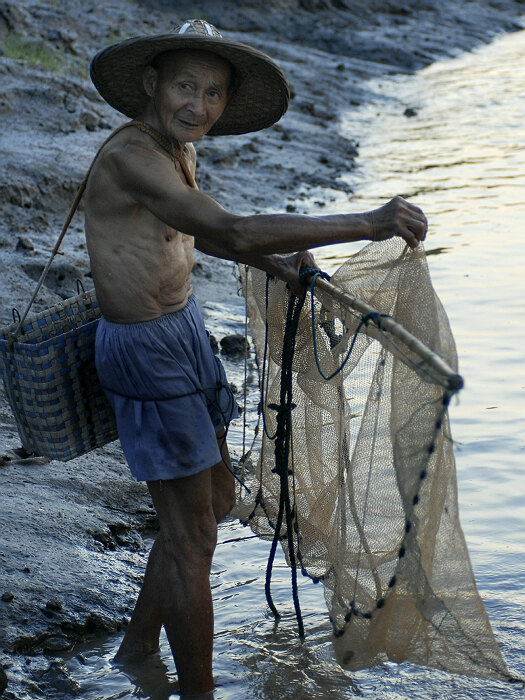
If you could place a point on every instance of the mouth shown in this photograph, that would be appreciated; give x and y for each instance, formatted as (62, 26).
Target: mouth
(189, 125)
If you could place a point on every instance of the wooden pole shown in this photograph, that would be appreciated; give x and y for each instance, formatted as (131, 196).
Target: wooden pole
(454, 381)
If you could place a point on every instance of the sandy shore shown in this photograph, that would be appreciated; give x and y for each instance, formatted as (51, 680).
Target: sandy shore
(72, 549)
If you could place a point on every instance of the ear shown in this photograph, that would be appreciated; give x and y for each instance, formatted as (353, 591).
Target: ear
(149, 80)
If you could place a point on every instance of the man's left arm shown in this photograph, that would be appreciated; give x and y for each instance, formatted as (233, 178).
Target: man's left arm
(284, 267)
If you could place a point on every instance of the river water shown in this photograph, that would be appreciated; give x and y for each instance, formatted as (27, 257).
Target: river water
(461, 157)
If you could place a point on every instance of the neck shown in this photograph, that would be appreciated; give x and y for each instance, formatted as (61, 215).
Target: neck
(168, 144)
(172, 147)
(151, 117)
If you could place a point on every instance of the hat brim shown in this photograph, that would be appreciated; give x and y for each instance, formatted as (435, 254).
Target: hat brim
(259, 100)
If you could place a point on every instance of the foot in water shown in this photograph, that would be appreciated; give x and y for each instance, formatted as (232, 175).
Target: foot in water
(129, 653)
(150, 675)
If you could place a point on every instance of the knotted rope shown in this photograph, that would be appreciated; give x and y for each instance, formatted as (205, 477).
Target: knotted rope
(283, 435)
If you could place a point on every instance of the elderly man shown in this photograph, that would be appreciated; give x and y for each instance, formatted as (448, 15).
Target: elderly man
(144, 215)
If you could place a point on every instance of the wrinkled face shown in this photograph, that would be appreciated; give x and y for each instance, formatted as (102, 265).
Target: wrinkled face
(189, 91)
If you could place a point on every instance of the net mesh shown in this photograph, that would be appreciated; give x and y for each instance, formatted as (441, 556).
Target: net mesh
(371, 470)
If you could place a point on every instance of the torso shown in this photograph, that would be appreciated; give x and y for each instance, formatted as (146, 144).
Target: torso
(141, 267)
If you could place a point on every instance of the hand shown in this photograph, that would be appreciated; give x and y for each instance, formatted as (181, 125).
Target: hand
(398, 218)
(290, 266)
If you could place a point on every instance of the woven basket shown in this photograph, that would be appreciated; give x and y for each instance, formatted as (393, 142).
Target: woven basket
(51, 381)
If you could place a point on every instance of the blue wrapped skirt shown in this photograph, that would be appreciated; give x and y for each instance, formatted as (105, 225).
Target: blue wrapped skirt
(168, 391)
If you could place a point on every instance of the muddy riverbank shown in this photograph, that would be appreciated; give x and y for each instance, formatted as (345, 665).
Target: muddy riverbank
(72, 548)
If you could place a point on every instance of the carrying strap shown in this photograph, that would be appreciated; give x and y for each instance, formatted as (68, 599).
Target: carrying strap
(172, 148)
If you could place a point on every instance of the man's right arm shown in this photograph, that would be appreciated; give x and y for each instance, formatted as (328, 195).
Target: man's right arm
(150, 178)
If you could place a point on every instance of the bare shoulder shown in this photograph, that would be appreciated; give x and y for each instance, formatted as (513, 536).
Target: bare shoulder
(130, 147)
(132, 162)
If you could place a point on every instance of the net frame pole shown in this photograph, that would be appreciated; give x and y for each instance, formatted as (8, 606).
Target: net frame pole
(387, 323)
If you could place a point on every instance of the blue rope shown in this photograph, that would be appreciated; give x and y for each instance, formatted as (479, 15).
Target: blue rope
(375, 316)
(314, 272)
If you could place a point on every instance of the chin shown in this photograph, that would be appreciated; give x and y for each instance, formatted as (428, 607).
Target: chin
(197, 137)
(183, 135)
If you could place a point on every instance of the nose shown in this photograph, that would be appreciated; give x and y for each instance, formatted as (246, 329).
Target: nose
(197, 104)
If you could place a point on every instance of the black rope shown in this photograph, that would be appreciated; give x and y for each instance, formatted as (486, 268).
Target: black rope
(283, 435)
(312, 274)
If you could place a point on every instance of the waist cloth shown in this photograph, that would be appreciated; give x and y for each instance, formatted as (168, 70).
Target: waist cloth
(168, 391)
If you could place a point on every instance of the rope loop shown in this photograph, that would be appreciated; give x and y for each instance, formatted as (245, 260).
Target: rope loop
(314, 272)
(373, 316)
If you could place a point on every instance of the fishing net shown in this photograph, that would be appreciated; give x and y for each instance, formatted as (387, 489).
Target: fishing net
(356, 474)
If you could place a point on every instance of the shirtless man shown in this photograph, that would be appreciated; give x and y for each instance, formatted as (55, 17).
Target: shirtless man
(143, 218)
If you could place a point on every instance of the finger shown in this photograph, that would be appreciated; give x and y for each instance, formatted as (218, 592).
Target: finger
(298, 289)
(418, 228)
(421, 217)
(412, 240)
(408, 235)
(307, 260)
(310, 262)
(417, 214)
(412, 207)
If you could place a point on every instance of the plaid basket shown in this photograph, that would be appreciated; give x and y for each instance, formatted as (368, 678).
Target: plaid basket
(51, 381)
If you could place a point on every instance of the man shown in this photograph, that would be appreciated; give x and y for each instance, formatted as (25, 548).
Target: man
(144, 215)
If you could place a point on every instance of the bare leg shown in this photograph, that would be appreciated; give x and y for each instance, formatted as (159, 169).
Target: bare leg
(142, 634)
(176, 588)
(222, 482)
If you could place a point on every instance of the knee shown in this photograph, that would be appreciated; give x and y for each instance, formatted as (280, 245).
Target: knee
(223, 501)
(194, 546)
(205, 538)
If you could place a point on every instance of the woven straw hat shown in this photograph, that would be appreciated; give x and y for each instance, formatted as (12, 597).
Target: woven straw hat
(260, 97)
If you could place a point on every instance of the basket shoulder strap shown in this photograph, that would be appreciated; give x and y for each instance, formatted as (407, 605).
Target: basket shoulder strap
(67, 222)
(82, 187)
(172, 148)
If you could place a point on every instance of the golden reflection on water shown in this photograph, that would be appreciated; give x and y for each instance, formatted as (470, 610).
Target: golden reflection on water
(464, 155)
(462, 159)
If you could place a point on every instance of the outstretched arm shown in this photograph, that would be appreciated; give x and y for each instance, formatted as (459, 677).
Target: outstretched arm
(149, 177)
(274, 232)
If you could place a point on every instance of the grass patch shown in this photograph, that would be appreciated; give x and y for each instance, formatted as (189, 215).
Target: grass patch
(39, 53)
